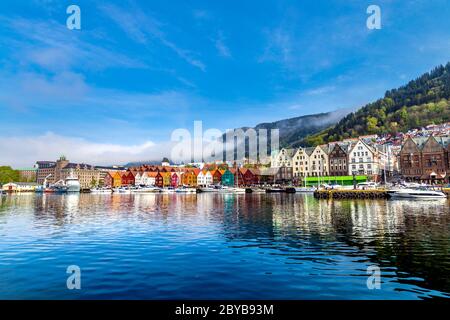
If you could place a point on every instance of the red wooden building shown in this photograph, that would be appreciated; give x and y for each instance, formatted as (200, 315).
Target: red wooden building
(174, 180)
(250, 177)
(159, 180)
(108, 180)
(128, 179)
(217, 176)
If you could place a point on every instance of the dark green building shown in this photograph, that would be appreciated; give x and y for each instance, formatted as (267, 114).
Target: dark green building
(228, 178)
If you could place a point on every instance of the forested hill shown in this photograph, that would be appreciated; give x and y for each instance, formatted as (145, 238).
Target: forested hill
(423, 101)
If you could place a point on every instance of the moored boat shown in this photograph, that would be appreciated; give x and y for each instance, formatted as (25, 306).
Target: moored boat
(101, 190)
(72, 183)
(238, 190)
(305, 189)
(207, 189)
(146, 189)
(421, 193)
(275, 190)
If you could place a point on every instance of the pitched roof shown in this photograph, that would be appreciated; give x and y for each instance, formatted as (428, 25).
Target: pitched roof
(309, 150)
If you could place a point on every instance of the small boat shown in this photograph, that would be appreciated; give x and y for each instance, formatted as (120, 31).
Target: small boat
(185, 190)
(275, 190)
(146, 189)
(101, 190)
(168, 190)
(238, 190)
(304, 189)
(224, 189)
(421, 193)
(255, 190)
(366, 185)
(122, 190)
(207, 189)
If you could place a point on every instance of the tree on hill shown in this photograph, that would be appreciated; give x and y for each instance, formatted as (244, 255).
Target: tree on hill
(423, 101)
(7, 174)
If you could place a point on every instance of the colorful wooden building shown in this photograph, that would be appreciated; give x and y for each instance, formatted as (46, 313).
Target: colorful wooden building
(228, 178)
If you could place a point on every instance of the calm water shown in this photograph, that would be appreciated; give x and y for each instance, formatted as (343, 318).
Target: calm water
(213, 246)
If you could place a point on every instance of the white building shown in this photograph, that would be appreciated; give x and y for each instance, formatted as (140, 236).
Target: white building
(300, 162)
(149, 178)
(204, 178)
(318, 161)
(138, 179)
(283, 158)
(364, 159)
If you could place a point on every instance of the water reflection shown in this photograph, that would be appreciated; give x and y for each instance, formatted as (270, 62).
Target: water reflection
(292, 236)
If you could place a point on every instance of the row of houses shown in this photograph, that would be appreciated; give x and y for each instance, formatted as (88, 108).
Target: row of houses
(420, 158)
(193, 177)
(346, 158)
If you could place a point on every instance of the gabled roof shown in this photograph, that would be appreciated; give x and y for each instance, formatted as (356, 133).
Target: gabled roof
(309, 150)
(268, 171)
(254, 171)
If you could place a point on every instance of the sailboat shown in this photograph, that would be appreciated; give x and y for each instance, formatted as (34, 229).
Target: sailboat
(237, 189)
(304, 189)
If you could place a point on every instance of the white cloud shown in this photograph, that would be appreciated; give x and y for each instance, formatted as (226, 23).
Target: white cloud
(25, 151)
(221, 47)
(320, 90)
(144, 28)
(51, 45)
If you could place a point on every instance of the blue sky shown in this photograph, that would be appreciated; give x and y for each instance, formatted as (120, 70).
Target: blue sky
(139, 69)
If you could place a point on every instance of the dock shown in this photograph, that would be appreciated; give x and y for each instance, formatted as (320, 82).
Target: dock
(351, 194)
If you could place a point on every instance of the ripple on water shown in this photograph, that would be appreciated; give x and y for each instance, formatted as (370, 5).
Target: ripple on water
(222, 246)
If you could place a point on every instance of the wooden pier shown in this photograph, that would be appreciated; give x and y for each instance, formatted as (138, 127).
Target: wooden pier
(351, 194)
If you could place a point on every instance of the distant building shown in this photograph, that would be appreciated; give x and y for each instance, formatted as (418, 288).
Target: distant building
(283, 158)
(45, 169)
(337, 159)
(28, 174)
(228, 178)
(364, 160)
(318, 162)
(425, 159)
(58, 170)
(165, 162)
(19, 187)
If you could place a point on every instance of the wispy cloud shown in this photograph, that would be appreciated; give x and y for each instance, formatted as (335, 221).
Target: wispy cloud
(26, 150)
(144, 28)
(52, 46)
(221, 47)
(320, 90)
(30, 91)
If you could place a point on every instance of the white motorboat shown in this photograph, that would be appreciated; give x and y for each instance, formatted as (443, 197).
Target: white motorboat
(305, 189)
(258, 190)
(146, 189)
(168, 190)
(185, 190)
(101, 190)
(238, 190)
(122, 190)
(207, 189)
(421, 193)
(224, 189)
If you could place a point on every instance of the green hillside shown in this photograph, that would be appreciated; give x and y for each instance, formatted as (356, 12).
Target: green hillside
(423, 101)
